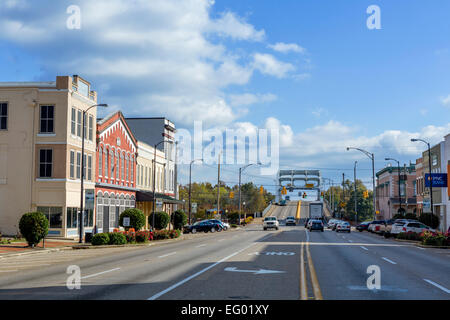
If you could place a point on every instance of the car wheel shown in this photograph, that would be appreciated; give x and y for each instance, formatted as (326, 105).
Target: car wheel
(386, 235)
(322, 230)
(265, 229)
(194, 230)
(277, 228)
(348, 231)
(213, 230)
(360, 230)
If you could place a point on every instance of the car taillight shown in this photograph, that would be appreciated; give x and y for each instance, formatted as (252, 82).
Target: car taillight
(404, 229)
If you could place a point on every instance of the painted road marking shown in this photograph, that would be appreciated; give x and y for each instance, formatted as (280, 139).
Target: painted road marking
(166, 255)
(303, 289)
(350, 240)
(364, 248)
(9, 270)
(437, 285)
(220, 240)
(260, 271)
(202, 245)
(97, 274)
(159, 294)
(272, 253)
(390, 261)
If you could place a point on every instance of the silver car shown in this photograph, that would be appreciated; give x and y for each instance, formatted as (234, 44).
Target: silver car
(343, 226)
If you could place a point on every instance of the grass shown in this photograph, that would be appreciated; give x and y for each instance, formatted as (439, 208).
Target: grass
(11, 240)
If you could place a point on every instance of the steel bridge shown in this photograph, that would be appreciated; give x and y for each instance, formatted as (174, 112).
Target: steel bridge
(299, 180)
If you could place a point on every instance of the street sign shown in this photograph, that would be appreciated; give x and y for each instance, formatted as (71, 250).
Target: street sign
(194, 207)
(159, 203)
(439, 180)
(426, 205)
(309, 185)
(126, 221)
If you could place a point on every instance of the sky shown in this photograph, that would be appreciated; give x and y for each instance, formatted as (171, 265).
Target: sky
(312, 70)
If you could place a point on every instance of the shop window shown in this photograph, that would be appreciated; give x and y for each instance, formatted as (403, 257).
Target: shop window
(53, 214)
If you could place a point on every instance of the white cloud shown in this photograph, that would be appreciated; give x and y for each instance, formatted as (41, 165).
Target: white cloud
(268, 64)
(287, 47)
(285, 131)
(230, 25)
(250, 98)
(319, 112)
(446, 100)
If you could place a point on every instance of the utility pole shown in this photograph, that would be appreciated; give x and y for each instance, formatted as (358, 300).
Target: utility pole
(343, 192)
(354, 196)
(218, 187)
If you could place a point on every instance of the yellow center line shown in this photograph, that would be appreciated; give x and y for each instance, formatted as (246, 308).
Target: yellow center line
(303, 288)
(312, 271)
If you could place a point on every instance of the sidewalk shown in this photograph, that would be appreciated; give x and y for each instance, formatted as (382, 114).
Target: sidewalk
(22, 247)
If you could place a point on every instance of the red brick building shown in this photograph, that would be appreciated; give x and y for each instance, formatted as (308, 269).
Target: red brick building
(115, 187)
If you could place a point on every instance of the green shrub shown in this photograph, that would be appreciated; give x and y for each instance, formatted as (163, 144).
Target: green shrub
(429, 219)
(34, 227)
(144, 236)
(179, 219)
(174, 233)
(100, 239)
(434, 239)
(137, 218)
(161, 220)
(161, 235)
(233, 225)
(409, 236)
(117, 238)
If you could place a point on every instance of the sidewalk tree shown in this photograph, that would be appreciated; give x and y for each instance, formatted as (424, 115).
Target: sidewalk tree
(137, 219)
(161, 220)
(179, 219)
(34, 227)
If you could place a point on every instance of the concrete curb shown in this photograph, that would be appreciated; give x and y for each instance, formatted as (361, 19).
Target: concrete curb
(417, 243)
(7, 255)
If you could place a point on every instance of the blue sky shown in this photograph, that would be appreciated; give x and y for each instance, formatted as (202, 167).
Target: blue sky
(228, 63)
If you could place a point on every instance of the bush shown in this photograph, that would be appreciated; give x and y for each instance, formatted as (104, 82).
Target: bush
(137, 218)
(161, 235)
(34, 227)
(117, 238)
(429, 219)
(410, 216)
(179, 219)
(144, 236)
(161, 220)
(248, 220)
(174, 233)
(233, 225)
(434, 238)
(409, 236)
(233, 217)
(100, 239)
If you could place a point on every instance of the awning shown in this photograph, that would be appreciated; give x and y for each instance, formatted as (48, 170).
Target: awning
(147, 196)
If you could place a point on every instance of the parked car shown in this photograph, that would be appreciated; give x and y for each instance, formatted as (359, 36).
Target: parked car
(343, 226)
(417, 227)
(384, 226)
(333, 227)
(224, 226)
(363, 226)
(315, 225)
(271, 222)
(396, 227)
(290, 221)
(375, 225)
(204, 226)
(331, 223)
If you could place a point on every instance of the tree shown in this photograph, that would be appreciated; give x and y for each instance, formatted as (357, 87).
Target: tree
(161, 220)
(179, 219)
(34, 227)
(137, 218)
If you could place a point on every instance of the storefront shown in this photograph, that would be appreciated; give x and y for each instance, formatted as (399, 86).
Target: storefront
(109, 205)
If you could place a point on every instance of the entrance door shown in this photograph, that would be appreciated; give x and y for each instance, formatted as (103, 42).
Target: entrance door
(105, 218)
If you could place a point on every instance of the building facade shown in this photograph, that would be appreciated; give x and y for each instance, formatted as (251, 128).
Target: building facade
(446, 194)
(115, 188)
(40, 152)
(420, 185)
(388, 200)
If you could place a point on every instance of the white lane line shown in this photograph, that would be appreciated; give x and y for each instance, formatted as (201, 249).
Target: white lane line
(202, 245)
(9, 270)
(420, 248)
(350, 240)
(166, 255)
(97, 274)
(390, 261)
(343, 237)
(220, 240)
(364, 248)
(159, 294)
(437, 285)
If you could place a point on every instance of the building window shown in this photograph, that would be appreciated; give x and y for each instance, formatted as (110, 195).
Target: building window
(3, 116)
(434, 160)
(112, 165)
(85, 125)
(117, 166)
(100, 164)
(146, 177)
(128, 169)
(402, 189)
(132, 169)
(122, 167)
(78, 165)
(91, 127)
(79, 123)
(47, 119)
(53, 214)
(73, 121)
(72, 164)
(106, 163)
(72, 218)
(45, 163)
(89, 176)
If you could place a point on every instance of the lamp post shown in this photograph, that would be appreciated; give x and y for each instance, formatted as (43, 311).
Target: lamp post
(81, 217)
(399, 192)
(240, 173)
(154, 178)
(429, 168)
(372, 157)
(354, 177)
(190, 174)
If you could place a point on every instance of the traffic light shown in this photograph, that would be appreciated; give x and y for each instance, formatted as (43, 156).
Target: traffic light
(284, 191)
(261, 190)
(304, 195)
(231, 195)
(366, 194)
(321, 194)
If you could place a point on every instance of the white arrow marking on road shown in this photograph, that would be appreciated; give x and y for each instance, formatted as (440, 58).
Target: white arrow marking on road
(260, 271)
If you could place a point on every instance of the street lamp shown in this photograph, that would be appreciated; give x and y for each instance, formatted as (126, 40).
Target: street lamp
(154, 178)
(240, 172)
(429, 168)
(190, 171)
(372, 157)
(81, 217)
(399, 193)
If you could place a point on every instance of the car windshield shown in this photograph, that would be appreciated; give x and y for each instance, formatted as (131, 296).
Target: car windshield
(270, 219)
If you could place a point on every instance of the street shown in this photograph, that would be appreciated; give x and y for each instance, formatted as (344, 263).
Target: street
(289, 264)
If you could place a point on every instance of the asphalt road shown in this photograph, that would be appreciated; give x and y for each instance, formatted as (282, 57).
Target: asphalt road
(288, 264)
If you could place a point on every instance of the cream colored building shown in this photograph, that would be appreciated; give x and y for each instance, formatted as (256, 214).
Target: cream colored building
(40, 152)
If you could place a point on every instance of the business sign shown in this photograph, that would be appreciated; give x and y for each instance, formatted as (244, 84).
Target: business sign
(89, 199)
(439, 180)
